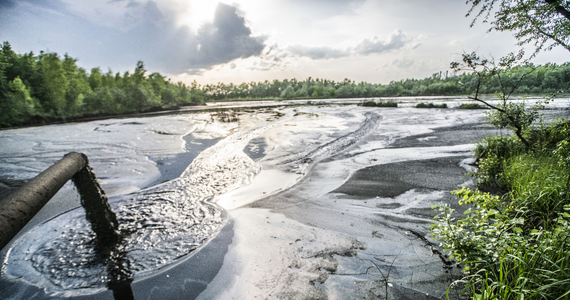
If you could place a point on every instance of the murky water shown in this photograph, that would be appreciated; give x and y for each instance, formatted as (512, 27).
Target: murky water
(159, 225)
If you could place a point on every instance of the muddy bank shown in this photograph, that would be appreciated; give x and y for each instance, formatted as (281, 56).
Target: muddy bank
(355, 225)
(391, 180)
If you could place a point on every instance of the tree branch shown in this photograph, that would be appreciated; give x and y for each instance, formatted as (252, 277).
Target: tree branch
(488, 104)
(559, 8)
(518, 128)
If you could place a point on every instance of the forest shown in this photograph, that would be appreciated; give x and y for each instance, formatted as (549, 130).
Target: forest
(38, 89)
(35, 89)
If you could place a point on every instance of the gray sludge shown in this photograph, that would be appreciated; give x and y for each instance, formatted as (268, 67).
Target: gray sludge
(159, 225)
(299, 162)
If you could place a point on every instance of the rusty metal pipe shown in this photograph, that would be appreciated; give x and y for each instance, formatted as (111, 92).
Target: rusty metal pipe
(18, 208)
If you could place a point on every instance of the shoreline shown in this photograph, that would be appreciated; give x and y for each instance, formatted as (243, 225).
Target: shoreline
(257, 104)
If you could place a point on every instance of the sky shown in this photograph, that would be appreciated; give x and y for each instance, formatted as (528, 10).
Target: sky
(375, 41)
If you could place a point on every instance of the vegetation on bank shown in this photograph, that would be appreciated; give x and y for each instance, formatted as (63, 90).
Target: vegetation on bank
(470, 106)
(514, 237)
(44, 87)
(430, 105)
(513, 244)
(39, 88)
(379, 104)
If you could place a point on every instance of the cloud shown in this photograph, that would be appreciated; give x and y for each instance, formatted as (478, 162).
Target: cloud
(403, 63)
(143, 30)
(272, 58)
(395, 41)
(317, 52)
(4, 4)
(11, 4)
(226, 39)
(322, 9)
(178, 49)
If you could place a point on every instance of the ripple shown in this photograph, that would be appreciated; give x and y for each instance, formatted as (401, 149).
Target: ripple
(159, 225)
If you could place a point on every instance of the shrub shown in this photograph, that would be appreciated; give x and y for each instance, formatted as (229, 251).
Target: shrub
(514, 246)
(431, 105)
(502, 258)
(489, 154)
(471, 106)
(387, 104)
(380, 104)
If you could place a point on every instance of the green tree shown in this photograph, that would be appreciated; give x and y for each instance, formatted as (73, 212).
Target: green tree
(54, 84)
(95, 78)
(288, 93)
(195, 96)
(507, 114)
(77, 88)
(140, 71)
(544, 23)
(16, 105)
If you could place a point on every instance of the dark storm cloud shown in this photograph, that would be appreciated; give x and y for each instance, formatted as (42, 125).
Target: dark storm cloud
(318, 52)
(177, 49)
(396, 41)
(144, 32)
(4, 4)
(226, 39)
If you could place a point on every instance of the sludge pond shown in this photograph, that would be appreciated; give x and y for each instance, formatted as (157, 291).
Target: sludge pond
(285, 203)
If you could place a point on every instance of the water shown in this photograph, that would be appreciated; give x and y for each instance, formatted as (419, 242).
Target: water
(159, 225)
(97, 210)
(300, 162)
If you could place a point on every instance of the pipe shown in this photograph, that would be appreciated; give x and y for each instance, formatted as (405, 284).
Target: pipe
(18, 208)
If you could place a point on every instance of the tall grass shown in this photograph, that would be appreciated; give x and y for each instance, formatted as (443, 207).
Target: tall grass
(517, 245)
(537, 184)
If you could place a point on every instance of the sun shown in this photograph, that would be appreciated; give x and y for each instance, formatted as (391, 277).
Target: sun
(200, 12)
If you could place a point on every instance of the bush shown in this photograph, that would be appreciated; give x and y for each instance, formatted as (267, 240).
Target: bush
(515, 246)
(501, 257)
(387, 104)
(380, 104)
(490, 153)
(431, 105)
(471, 106)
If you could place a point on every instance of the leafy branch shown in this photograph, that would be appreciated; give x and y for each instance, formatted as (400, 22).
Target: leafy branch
(511, 115)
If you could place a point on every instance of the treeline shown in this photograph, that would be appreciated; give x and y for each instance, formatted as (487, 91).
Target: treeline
(39, 88)
(45, 87)
(545, 79)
